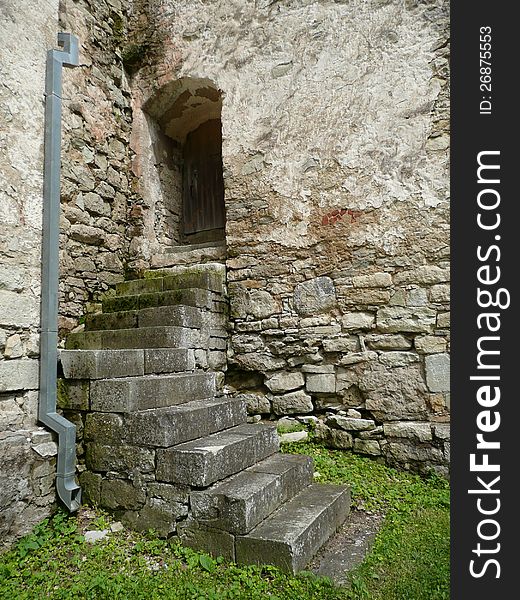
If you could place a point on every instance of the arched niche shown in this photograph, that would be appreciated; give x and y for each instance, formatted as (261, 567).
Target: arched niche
(188, 155)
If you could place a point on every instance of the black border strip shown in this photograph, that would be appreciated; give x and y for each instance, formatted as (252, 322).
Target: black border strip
(473, 132)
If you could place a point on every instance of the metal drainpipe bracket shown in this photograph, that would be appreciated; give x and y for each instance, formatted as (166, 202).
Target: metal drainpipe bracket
(68, 490)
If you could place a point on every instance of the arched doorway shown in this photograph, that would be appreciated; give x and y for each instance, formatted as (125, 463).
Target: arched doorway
(188, 158)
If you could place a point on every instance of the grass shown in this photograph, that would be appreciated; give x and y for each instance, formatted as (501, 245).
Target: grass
(409, 560)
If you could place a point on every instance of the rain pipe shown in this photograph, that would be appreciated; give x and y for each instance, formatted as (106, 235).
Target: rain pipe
(68, 490)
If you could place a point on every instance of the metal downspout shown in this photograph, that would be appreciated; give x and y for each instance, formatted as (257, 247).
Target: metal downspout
(68, 490)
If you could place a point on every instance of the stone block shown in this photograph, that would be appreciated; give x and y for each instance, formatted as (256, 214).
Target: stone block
(421, 432)
(90, 487)
(387, 342)
(104, 428)
(19, 309)
(315, 296)
(164, 427)
(122, 459)
(285, 381)
(424, 275)
(398, 359)
(292, 403)
(341, 344)
(321, 383)
(440, 293)
(118, 494)
(438, 372)
(141, 393)
(291, 536)
(370, 447)
(240, 502)
(206, 539)
(358, 321)
(349, 423)
(257, 404)
(396, 319)
(161, 516)
(168, 360)
(430, 344)
(101, 364)
(333, 438)
(19, 374)
(375, 280)
(171, 316)
(73, 394)
(395, 394)
(116, 320)
(150, 337)
(202, 462)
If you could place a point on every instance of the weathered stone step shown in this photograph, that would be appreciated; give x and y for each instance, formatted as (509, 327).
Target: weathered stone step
(206, 277)
(190, 254)
(189, 296)
(240, 502)
(106, 364)
(129, 394)
(163, 316)
(123, 339)
(292, 535)
(203, 461)
(165, 427)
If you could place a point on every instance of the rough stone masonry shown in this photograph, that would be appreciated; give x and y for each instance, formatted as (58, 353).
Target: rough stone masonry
(335, 156)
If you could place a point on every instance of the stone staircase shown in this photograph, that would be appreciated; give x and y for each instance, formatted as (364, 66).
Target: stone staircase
(166, 448)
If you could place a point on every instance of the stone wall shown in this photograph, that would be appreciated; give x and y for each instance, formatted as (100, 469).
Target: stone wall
(27, 452)
(335, 150)
(100, 210)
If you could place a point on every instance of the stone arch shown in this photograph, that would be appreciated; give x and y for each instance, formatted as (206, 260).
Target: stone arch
(188, 153)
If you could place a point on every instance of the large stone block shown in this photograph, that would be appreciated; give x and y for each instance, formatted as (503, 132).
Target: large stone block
(121, 459)
(292, 403)
(421, 432)
(285, 381)
(101, 364)
(206, 539)
(438, 372)
(166, 427)
(140, 393)
(291, 536)
(394, 394)
(240, 502)
(121, 494)
(321, 383)
(315, 296)
(19, 374)
(395, 319)
(204, 461)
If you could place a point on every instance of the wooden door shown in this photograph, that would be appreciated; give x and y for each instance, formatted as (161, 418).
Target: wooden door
(203, 184)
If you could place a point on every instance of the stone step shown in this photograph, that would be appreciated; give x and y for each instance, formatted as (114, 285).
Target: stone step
(240, 502)
(129, 394)
(124, 339)
(160, 316)
(206, 460)
(189, 296)
(165, 427)
(203, 277)
(106, 364)
(291, 536)
(190, 255)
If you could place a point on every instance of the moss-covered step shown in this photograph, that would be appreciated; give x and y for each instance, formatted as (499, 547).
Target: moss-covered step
(242, 501)
(206, 460)
(120, 339)
(292, 535)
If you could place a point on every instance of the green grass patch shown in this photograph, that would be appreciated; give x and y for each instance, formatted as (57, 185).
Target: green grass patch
(409, 560)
